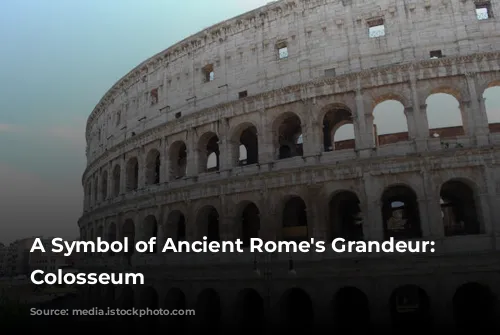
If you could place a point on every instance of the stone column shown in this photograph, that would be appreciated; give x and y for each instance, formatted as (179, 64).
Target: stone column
(365, 140)
(109, 184)
(225, 161)
(311, 130)
(373, 227)
(265, 137)
(141, 159)
(419, 116)
(123, 175)
(477, 113)
(431, 217)
(165, 161)
(192, 154)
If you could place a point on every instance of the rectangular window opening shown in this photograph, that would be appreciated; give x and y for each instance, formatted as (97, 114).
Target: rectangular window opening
(282, 50)
(330, 73)
(208, 72)
(376, 28)
(243, 94)
(435, 54)
(483, 10)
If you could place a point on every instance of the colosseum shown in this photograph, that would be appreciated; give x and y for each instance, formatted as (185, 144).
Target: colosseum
(307, 119)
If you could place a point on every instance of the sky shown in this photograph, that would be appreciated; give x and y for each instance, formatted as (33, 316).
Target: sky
(57, 59)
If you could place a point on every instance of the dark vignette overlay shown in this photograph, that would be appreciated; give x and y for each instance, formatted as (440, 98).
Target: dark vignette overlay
(186, 145)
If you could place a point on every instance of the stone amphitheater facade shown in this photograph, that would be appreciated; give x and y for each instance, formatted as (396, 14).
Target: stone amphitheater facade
(166, 159)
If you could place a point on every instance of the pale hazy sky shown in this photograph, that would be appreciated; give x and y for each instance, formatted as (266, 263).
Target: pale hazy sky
(57, 59)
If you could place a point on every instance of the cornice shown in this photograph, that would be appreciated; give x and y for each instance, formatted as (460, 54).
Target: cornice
(349, 82)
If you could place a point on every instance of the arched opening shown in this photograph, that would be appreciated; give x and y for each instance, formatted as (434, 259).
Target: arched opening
(390, 123)
(132, 174)
(178, 160)
(83, 234)
(149, 299)
(208, 223)
(445, 116)
(474, 308)
(176, 300)
(458, 209)
(346, 218)
(150, 226)
(492, 105)
(294, 220)
(338, 131)
(209, 154)
(127, 302)
(208, 310)
(128, 232)
(296, 311)
(410, 309)
(400, 213)
(116, 180)
(104, 185)
(176, 226)
(249, 312)
(153, 166)
(246, 146)
(91, 237)
(288, 132)
(250, 223)
(351, 311)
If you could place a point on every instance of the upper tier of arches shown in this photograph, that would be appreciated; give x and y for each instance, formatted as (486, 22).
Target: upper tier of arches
(284, 43)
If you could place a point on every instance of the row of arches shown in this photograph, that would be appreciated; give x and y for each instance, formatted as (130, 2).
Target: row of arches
(445, 115)
(399, 210)
(474, 308)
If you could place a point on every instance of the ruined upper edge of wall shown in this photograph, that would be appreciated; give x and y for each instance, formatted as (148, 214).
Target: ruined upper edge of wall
(359, 11)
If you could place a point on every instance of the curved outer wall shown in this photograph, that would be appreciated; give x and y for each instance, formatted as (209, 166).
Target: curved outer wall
(169, 100)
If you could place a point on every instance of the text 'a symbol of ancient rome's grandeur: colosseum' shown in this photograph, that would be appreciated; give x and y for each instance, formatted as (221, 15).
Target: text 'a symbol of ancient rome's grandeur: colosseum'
(308, 119)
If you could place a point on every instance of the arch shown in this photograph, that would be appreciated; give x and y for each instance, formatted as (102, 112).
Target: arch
(458, 209)
(209, 153)
(288, 140)
(337, 134)
(491, 96)
(296, 311)
(207, 223)
(177, 155)
(208, 310)
(400, 213)
(445, 114)
(132, 176)
(116, 180)
(390, 122)
(250, 223)
(149, 299)
(91, 237)
(249, 312)
(176, 299)
(390, 97)
(245, 144)
(150, 226)
(176, 225)
(294, 219)
(127, 301)
(128, 231)
(104, 185)
(153, 167)
(351, 311)
(474, 308)
(346, 218)
(410, 309)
